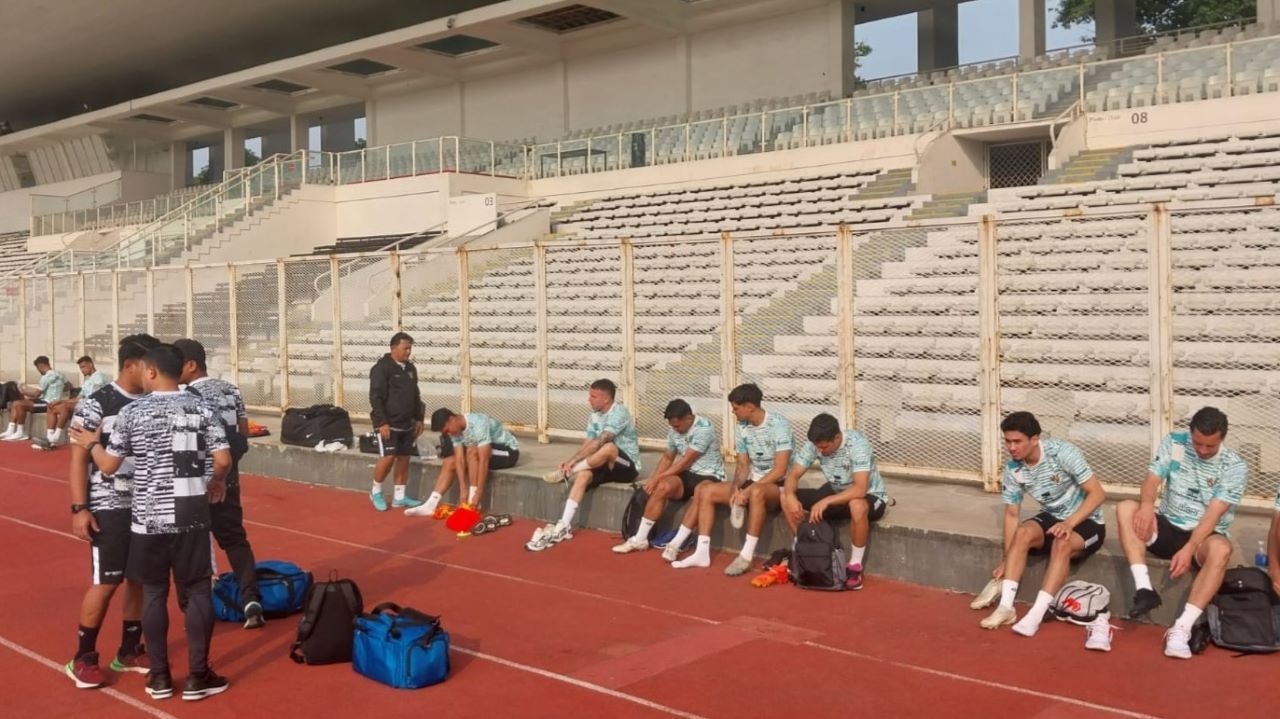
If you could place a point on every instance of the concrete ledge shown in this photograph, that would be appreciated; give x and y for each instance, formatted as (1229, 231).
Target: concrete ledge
(941, 535)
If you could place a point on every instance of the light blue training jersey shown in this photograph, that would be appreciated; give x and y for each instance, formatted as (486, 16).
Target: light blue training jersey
(702, 439)
(617, 420)
(1190, 483)
(852, 456)
(483, 430)
(1056, 482)
(762, 442)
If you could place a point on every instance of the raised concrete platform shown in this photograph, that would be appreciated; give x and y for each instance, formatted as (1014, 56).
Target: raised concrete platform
(937, 534)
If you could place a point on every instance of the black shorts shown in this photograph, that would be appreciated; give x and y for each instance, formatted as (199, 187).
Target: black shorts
(109, 546)
(1169, 539)
(39, 406)
(1090, 531)
(401, 443)
(500, 455)
(810, 497)
(187, 556)
(690, 481)
(623, 470)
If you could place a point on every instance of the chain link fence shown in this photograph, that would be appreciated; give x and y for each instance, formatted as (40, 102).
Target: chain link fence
(99, 330)
(39, 315)
(502, 308)
(170, 287)
(67, 347)
(11, 359)
(584, 328)
(364, 306)
(211, 318)
(430, 314)
(311, 352)
(258, 334)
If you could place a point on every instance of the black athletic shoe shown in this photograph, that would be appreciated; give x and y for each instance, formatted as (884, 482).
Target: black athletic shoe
(253, 616)
(1144, 600)
(204, 685)
(159, 685)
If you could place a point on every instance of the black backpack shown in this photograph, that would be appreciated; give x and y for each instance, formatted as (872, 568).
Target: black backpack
(327, 627)
(1245, 613)
(634, 512)
(309, 426)
(817, 560)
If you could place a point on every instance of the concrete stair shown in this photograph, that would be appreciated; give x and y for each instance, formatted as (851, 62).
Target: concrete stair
(948, 205)
(890, 183)
(1089, 166)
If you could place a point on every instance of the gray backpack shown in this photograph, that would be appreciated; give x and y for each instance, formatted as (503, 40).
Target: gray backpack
(817, 560)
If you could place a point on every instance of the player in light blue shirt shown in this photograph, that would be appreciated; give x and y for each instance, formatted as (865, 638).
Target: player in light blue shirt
(1069, 526)
(59, 412)
(51, 387)
(1273, 546)
(854, 489)
(764, 452)
(691, 463)
(610, 453)
(470, 445)
(1203, 480)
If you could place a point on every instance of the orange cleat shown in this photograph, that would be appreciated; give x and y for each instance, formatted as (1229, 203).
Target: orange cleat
(777, 574)
(444, 510)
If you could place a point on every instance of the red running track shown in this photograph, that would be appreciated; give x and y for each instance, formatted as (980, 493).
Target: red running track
(579, 631)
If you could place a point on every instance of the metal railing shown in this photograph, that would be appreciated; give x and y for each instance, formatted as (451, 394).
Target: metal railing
(1111, 324)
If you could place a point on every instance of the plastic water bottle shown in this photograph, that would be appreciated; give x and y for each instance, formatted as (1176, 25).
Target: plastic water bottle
(1260, 557)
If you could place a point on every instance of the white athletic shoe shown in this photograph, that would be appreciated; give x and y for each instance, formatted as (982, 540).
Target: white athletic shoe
(419, 511)
(1177, 643)
(737, 515)
(631, 545)
(1098, 633)
(670, 553)
(19, 436)
(1000, 617)
(987, 596)
(1026, 627)
(545, 537)
(7, 432)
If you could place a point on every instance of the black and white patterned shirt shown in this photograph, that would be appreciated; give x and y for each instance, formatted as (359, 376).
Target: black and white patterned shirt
(223, 398)
(106, 492)
(168, 435)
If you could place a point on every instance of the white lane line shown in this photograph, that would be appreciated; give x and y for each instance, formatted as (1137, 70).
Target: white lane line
(61, 669)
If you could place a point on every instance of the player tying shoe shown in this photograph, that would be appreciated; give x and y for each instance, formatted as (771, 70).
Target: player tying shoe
(764, 453)
(470, 445)
(1203, 481)
(1069, 526)
(611, 453)
(691, 461)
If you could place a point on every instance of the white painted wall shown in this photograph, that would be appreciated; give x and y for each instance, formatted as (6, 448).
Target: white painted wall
(15, 206)
(952, 164)
(392, 207)
(528, 103)
(407, 116)
(1144, 125)
(632, 84)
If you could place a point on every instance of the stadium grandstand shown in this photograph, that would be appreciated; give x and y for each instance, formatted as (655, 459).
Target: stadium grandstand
(680, 196)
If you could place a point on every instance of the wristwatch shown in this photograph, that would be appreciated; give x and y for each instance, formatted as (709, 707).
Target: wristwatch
(78, 508)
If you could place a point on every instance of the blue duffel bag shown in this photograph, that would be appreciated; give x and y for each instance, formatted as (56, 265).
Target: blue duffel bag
(400, 647)
(283, 586)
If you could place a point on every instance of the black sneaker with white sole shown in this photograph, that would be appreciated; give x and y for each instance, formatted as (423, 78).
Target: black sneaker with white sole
(159, 685)
(1144, 600)
(204, 685)
(253, 618)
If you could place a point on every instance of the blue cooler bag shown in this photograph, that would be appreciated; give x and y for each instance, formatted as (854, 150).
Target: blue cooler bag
(400, 647)
(283, 586)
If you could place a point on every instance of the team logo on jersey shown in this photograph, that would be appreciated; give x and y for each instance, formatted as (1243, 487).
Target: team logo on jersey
(1056, 478)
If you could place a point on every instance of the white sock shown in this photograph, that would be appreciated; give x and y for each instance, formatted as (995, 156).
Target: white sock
(701, 556)
(856, 554)
(749, 547)
(432, 502)
(642, 533)
(1190, 614)
(1141, 577)
(570, 509)
(1008, 590)
(471, 495)
(399, 492)
(682, 534)
(1043, 601)
(377, 487)
(580, 466)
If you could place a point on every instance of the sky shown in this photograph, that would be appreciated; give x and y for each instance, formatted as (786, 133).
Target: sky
(988, 31)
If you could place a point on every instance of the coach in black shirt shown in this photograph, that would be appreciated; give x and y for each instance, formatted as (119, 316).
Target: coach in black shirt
(397, 412)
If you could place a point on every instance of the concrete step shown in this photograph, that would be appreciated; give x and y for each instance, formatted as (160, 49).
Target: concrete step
(937, 534)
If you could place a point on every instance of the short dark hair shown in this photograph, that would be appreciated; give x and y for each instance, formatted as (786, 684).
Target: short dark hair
(166, 359)
(134, 347)
(605, 385)
(192, 351)
(748, 393)
(439, 417)
(41, 360)
(1023, 422)
(1209, 421)
(677, 409)
(399, 337)
(85, 358)
(823, 428)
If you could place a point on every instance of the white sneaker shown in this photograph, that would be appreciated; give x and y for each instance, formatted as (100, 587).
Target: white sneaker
(987, 596)
(670, 553)
(19, 436)
(1000, 617)
(7, 432)
(737, 515)
(1177, 643)
(1098, 633)
(419, 511)
(1026, 627)
(631, 545)
(545, 537)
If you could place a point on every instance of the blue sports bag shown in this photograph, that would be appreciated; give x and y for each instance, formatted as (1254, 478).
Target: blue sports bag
(283, 586)
(400, 647)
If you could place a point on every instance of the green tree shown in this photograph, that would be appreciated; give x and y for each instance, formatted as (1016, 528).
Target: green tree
(1163, 15)
(251, 158)
(860, 50)
(204, 176)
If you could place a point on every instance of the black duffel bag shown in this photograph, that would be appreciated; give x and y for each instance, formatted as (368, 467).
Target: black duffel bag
(307, 427)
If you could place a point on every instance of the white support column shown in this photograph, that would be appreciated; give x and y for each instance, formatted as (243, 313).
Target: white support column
(52, 339)
(544, 374)
(937, 39)
(841, 19)
(81, 339)
(179, 165)
(1114, 19)
(630, 393)
(232, 149)
(396, 298)
(464, 330)
(1160, 309)
(299, 133)
(22, 330)
(233, 320)
(150, 280)
(335, 291)
(728, 337)
(190, 302)
(1031, 16)
(844, 328)
(989, 354)
(282, 331)
(115, 308)
(1269, 13)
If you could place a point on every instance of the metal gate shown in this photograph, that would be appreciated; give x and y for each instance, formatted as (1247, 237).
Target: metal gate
(1016, 164)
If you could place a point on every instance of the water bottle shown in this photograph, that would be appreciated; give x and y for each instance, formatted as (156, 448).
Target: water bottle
(1260, 558)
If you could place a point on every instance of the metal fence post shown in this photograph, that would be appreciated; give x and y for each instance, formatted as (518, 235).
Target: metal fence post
(989, 353)
(22, 331)
(233, 320)
(630, 393)
(115, 307)
(847, 382)
(189, 301)
(80, 338)
(728, 336)
(464, 330)
(335, 294)
(282, 320)
(396, 299)
(1160, 308)
(53, 317)
(150, 283)
(544, 374)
